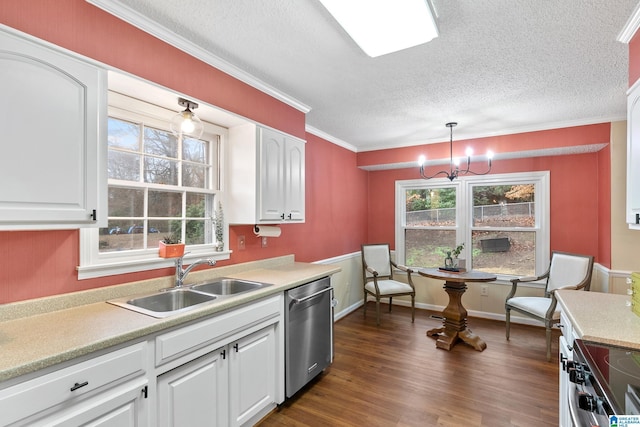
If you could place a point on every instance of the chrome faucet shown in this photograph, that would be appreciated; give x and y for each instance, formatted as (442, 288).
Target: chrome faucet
(181, 273)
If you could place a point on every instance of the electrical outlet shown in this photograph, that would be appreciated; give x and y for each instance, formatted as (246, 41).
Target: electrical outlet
(241, 243)
(484, 290)
(264, 242)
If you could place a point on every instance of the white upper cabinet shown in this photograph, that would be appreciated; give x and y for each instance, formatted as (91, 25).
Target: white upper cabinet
(266, 176)
(633, 157)
(53, 121)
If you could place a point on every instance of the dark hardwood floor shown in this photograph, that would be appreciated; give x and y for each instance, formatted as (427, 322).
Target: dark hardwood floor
(393, 375)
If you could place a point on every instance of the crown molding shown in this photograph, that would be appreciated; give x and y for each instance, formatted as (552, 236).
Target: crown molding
(149, 26)
(330, 138)
(630, 28)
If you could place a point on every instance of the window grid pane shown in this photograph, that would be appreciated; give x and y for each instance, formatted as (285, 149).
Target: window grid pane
(141, 215)
(498, 244)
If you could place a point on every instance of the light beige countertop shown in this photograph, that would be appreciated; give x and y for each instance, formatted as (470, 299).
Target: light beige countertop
(40, 333)
(601, 318)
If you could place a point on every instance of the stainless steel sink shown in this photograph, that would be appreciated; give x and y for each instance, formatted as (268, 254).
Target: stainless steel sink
(179, 300)
(225, 286)
(165, 303)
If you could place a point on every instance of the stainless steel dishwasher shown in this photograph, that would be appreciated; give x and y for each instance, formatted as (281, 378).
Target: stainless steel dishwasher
(308, 333)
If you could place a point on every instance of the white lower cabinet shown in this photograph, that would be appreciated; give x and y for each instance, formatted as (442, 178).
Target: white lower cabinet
(108, 390)
(231, 386)
(563, 403)
(227, 370)
(123, 406)
(194, 394)
(224, 370)
(565, 354)
(252, 376)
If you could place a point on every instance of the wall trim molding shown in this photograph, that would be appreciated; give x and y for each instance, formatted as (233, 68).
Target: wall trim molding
(630, 28)
(338, 258)
(149, 26)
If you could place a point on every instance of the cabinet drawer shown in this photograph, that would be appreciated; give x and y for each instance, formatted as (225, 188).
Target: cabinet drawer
(70, 384)
(184, 340)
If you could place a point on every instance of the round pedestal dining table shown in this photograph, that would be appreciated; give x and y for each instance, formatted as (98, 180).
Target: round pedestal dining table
(455, 315)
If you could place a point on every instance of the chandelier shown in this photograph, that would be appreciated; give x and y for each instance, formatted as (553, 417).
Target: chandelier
(454, 164)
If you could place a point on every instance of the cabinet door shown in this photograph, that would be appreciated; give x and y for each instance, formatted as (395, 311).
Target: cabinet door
(294, 180)
(271, 194)
(123, 406)
(52, 118)
(252, 377)
(194, 394)
(633, 157)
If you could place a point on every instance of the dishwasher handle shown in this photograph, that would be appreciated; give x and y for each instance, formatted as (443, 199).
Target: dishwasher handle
(308, 297)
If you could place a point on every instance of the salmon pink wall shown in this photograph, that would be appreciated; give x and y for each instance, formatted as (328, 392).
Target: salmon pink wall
(578, 183)
(634, 59)
(41, 263)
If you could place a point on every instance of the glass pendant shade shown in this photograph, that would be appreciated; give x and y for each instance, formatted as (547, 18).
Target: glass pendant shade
(186, 123)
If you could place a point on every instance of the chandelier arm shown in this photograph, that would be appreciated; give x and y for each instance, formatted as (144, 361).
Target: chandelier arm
(445, 173)
(479, 173)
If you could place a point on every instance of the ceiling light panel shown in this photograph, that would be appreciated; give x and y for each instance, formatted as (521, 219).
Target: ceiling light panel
(380, 27)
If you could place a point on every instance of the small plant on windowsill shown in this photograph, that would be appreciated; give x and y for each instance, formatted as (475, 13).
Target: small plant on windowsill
(170, 247)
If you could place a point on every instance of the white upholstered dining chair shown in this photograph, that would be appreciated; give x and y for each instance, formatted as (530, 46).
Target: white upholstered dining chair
(378, 279)
(566, 271)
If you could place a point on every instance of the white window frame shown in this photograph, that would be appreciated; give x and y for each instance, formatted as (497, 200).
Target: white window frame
(95, 264)
(464, 206)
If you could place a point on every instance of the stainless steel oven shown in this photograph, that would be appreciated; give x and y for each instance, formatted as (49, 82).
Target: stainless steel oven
(603, 380)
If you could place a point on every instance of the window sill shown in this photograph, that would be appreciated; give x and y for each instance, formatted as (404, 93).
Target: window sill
(132, 265)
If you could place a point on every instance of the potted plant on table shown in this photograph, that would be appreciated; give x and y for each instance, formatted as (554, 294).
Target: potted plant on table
(170, 247)
(458, 263)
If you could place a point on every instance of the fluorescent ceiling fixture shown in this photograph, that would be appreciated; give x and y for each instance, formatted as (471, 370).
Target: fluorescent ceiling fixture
(384, 26)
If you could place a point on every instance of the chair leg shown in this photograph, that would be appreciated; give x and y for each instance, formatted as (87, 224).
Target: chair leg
(508, 320)
(390, 302)
(365, 304)
(378, 311)
(413, 308)
(548, 344)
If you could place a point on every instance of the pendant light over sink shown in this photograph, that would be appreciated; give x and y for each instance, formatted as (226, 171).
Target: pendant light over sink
(186, 123)
(454, 164)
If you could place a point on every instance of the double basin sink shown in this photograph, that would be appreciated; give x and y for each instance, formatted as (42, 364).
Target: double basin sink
(173, 301)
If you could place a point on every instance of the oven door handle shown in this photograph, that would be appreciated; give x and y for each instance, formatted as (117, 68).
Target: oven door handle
(573, 408)
(308, 297)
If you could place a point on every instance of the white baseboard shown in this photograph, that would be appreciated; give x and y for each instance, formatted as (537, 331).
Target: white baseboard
(348, 310)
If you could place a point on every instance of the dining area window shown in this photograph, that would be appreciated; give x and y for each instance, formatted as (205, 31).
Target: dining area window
(502, 220)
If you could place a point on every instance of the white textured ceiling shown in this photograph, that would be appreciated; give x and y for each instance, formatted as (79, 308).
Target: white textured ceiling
(498, 66)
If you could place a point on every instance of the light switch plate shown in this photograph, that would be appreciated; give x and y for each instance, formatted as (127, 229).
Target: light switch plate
(241, 243)
(264, 242)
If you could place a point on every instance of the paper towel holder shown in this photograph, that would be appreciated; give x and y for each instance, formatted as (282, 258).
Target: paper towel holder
(266, 230)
